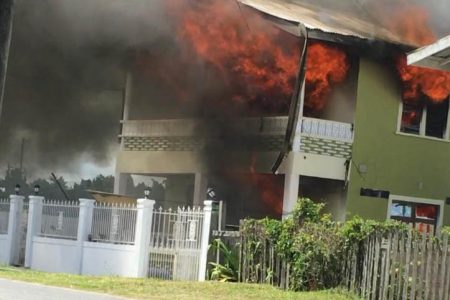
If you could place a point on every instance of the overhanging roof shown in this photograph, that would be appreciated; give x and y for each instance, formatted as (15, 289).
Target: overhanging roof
(352, 20)
(435, 56)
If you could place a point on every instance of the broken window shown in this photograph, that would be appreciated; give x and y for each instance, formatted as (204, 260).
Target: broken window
(421, 216)
(426, 118)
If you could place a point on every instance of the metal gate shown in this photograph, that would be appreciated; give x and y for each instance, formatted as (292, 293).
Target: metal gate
(175, 243)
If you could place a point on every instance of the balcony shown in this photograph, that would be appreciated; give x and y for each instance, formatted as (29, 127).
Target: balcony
(315, 136)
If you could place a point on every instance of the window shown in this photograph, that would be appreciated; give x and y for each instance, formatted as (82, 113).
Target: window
(425, 118)
(420, 214)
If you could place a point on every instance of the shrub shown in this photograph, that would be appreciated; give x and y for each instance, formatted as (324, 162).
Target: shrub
(314, 246)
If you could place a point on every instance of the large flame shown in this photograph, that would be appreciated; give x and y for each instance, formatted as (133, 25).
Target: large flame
(326, 66)
(417, 81)
(411, 24)
(258, 61)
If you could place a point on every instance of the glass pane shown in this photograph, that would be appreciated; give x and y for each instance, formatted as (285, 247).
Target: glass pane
(401, 210)
(437, 114)
(411, 117)
(426, 211)
(423, 227)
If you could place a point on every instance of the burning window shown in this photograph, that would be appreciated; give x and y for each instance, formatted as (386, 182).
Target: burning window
(426, 118)
(421, 216)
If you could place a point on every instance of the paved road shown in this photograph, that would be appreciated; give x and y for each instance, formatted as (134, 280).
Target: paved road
(15, 290)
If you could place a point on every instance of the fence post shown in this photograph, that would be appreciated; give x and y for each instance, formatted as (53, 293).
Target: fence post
(34, 226)
(16, 205)
(142, 235)
(84, 227)
(207, 209)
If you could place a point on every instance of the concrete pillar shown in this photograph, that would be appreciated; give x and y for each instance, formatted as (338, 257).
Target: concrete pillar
(34, 226)
(142, 235)
(13, 241)
(200, 189)
(291, 184)
(207, 209)
(84, 227)
(120, 183)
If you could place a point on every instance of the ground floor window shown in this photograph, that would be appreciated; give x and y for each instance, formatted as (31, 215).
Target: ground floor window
(418, 213)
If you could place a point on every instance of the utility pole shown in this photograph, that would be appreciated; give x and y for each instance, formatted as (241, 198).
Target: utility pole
(6, 22)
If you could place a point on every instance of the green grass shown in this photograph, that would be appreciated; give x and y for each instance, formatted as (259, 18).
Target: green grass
(158, 289)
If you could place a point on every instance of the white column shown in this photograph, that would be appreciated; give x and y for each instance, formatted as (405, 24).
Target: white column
(207, 209)
(84, 227)
(120, 183)
(15, 210)
(200, 188)
(290, 197)
(34, 226)
(142, 235)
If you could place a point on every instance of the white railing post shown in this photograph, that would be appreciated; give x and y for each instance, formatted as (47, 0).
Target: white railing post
(84, 227)
(15, 209)
(34, 226)
(207, 210)
(142, 235)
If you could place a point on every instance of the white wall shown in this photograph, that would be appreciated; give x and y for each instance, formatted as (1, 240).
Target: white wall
(3, 249)
(108, 259)
(55, 255)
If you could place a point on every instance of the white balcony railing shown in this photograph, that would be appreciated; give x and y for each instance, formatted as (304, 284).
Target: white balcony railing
(189, 127)
(319, 128)
(326, 129)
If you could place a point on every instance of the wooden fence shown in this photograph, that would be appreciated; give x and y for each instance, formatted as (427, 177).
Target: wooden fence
(392, 266)
(405, 266)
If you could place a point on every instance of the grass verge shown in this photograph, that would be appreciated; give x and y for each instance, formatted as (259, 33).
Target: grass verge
(158, 289)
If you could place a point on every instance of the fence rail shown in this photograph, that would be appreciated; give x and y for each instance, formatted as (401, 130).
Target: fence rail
(114, 223)
(60, 219)
(4, 215)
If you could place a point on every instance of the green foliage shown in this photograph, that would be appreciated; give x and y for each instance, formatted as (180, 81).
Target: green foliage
(314, 246)
(228, 271)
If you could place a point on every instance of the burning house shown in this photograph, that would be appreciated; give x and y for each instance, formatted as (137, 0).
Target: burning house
(267, 101)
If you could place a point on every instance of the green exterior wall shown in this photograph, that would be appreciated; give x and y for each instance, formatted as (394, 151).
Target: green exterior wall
(396, 163)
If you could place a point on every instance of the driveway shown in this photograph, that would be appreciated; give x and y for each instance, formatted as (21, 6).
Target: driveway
(15, 290)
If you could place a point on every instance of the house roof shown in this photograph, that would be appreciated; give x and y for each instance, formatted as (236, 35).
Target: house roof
(435, 56)
(345, 18)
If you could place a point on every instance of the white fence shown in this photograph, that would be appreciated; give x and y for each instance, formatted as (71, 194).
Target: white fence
(60, 219)
(175, 244)
(4, 215)
(114, 223)
(114, 239)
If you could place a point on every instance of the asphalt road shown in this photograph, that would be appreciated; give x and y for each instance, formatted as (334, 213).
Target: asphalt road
(15, 290)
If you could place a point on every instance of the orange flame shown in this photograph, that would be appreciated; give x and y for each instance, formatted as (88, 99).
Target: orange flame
(326, 66)
(412, 25)
(417, 81)
(257, 60)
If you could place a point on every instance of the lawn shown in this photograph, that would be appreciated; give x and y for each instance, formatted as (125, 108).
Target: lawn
(158, 289)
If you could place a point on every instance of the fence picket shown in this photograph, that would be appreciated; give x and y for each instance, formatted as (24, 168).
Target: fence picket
(376, 259)
(443, 265)
(429, 247)
(387, 261)
(435, 270)
(414, 260)
(407, 264)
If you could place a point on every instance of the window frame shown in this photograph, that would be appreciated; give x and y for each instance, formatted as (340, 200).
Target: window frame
(415, 200)
(423, 122)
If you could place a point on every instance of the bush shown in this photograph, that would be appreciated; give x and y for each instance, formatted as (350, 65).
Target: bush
(315, 247)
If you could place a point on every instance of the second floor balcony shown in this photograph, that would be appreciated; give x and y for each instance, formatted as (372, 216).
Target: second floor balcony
(315, 136)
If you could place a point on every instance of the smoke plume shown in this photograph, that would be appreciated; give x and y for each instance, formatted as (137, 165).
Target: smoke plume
(66, 77)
